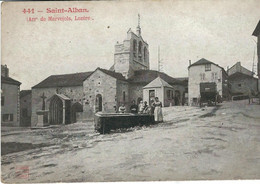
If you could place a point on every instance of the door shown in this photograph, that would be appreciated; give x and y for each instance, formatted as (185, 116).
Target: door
(151, 96)
(98, 103)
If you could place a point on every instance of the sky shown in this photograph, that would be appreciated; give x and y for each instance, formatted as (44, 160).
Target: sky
(219, 31)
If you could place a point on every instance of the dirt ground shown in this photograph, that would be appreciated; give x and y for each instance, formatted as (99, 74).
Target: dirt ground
(220, 142)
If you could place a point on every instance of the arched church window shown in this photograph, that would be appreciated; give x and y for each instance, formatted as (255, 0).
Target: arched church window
(145, 54)
(134, 47)
(140, 49)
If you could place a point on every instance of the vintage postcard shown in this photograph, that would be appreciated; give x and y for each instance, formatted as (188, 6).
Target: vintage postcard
(103, 91)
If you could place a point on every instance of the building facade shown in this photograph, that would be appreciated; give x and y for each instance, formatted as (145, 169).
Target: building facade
(207, 72)
(256, 33)
(102, 90)
(52, 89)
(10, 101)
(242, 80)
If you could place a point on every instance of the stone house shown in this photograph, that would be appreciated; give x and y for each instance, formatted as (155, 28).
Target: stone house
(242, 80)
(25, 107)
(205, 72)
(10, 101)
(242, 84)
(101, 90)
(256, 33)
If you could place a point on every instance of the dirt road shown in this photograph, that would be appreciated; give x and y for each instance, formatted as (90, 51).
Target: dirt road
(192, 143)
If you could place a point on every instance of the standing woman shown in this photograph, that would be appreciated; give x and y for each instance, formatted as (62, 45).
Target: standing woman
(158, 117)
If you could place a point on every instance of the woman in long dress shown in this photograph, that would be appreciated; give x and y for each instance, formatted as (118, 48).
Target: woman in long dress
(158, 117)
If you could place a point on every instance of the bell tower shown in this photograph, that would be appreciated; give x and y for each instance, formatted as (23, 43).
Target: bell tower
(132, 54)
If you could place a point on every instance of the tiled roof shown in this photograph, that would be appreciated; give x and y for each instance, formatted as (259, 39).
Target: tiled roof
(9, 80)
(116, 75)
(239, 76)
(182, 78)
(66, 80)
(202, 61)
(146, 76)
(257, 29)
(24, 93)
(158, 82)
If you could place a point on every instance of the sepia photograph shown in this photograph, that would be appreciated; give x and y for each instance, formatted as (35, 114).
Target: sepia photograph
(130, 91)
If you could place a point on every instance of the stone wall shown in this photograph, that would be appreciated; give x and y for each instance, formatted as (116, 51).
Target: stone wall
(103, 84)
(136, 91)
(123, 90)
(243, 85)
(11, 104)
(74, 92)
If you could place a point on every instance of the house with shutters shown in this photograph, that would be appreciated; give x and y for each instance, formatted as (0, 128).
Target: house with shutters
(203, 73)
(256, 33)
(10, 101)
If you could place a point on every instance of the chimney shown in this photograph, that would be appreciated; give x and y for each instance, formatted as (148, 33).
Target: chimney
(189, 62)
(4, 71)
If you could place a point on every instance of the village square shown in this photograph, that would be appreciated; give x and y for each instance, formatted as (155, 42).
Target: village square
(133, 123)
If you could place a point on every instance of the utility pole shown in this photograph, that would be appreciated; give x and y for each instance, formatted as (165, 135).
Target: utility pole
(159, 60)
(254, 66)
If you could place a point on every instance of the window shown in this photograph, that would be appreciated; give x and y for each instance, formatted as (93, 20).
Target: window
(214, 76)
(145, 54)
(194, 100)
(7, 117)
(134, 47)
(2, 101)
(202, 76)
(140, 49)
(11, 116)
(123, 96)
(169, 94)
(208, 67)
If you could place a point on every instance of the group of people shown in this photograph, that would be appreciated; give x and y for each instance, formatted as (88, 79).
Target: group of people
(143, 108)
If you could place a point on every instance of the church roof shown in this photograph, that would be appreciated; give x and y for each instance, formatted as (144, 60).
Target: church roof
(146, 76)
(66, 80)
(158, 82)
(116, 75)
(9, 80)
(257, 30)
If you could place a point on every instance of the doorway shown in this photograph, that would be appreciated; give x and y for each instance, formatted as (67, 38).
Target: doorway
(98, 103)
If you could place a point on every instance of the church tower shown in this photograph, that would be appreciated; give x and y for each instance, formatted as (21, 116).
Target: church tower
(132, 54)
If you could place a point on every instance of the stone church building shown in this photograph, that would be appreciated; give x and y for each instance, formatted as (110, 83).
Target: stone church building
(70, 97)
